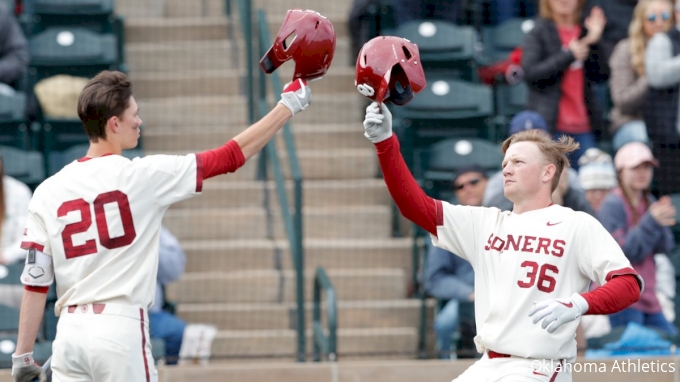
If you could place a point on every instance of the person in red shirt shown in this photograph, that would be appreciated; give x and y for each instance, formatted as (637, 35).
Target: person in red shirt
(560, 64)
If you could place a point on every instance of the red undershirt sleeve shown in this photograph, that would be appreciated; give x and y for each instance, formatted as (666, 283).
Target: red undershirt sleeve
(411, 200)
(614, 296)
(37, 289)
(224, 159)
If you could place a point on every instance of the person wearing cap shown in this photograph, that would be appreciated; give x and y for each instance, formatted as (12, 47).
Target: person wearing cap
(596, 175)
(641, 225)
(448, 277)
(569, 192)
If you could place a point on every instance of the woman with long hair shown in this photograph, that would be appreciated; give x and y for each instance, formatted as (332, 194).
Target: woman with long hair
(641, 225)
(560, 62)
(628, 80)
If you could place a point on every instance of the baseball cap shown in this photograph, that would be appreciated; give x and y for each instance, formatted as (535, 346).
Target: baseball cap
(527, 120)
(471, 168)
(597, 176)
(633, 154)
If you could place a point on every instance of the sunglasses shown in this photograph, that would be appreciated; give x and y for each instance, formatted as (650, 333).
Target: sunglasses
(665, 16)
(473, 182)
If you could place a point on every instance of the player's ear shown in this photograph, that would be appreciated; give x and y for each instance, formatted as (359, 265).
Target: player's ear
(549, 172)
(112, 124)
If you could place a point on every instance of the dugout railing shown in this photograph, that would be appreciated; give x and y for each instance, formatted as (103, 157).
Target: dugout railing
(269, 159)
(325, 341)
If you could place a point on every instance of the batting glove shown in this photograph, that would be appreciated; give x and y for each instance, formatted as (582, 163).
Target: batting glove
(296, 96)
(556, 313)
(377, 125)
(24, 369)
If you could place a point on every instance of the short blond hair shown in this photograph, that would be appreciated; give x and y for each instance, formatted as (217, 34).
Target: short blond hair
(554, 152)
(547, 12)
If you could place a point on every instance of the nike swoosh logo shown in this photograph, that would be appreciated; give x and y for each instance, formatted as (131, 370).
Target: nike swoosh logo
(569, 305)
(303, 94)
(552, 224)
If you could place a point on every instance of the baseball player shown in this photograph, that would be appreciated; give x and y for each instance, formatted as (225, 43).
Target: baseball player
(533, 266)
(94, 228)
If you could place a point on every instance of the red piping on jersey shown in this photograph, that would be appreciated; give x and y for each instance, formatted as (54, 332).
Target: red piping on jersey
(146, 362)
(199, 173)
(37, 289)
(85, 159)
(411, 200)
(224, 159)
(614, 296)
(32, 245)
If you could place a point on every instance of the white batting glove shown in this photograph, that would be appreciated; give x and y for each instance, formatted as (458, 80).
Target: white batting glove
(558, 312)
(296, 96)
(24, 369)
(377, 125)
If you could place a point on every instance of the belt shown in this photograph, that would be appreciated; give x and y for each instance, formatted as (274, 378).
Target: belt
(108, 309)
(492, 354)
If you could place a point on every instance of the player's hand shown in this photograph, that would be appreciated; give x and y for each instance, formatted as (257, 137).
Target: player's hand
(24, 369)
(663, 211)
(558, 312)
(296, 96)
(377, 125)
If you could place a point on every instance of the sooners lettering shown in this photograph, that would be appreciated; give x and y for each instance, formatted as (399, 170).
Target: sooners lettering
(528, 244)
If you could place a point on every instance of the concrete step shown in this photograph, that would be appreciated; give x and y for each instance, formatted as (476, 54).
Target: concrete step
(232, 110)
(351, 314)
(225, 193)
(307, 137)
(202, 55)
(270, 286)
(159, 29)
(226, 82)
(237, 255)
(283, 343)
(355, 222)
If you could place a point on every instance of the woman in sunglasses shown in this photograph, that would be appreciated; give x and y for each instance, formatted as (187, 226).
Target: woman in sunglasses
(628, 80)
(662, 65)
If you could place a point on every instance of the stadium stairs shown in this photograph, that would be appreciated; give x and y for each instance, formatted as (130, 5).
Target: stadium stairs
(187, 82)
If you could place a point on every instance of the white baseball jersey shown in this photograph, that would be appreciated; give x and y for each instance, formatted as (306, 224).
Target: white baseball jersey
(100, 221)
(524, 258)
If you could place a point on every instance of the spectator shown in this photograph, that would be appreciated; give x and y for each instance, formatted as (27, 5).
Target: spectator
(447, 276)
(14, 199)
(561, 68)
(619, 14)
(641, 225)
(409, 10)
(13, 49)
(596, 175)
(163, 324)
(628, 81)
(568, 193)
(662, 65)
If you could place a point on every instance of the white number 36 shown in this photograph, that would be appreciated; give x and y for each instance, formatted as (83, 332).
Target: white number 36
(366, 90)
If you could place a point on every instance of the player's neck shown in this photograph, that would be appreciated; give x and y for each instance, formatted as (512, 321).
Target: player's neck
(103, 147)
(530, 204)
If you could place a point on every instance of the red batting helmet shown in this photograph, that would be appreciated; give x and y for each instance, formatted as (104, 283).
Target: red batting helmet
(306, 37)
(391, 68)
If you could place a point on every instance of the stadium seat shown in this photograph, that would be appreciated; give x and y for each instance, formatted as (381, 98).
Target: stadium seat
(442, 159)
(498, 42)
(9, 319)
(11, 273)
(13, 127)
(63, 47)
(444, 46)
(68, 7)
(8, 343)
(25, 166)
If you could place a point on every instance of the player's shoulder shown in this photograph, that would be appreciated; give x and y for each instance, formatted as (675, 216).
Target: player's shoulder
(161, 160)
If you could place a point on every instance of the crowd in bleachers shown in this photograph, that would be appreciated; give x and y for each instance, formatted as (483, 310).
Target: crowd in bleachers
(604, 72)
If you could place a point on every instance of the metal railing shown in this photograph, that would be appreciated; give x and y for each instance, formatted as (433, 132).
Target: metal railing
(325, 344)
(257, 105)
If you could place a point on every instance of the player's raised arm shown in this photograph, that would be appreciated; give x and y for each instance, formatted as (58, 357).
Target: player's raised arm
(411, 200)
